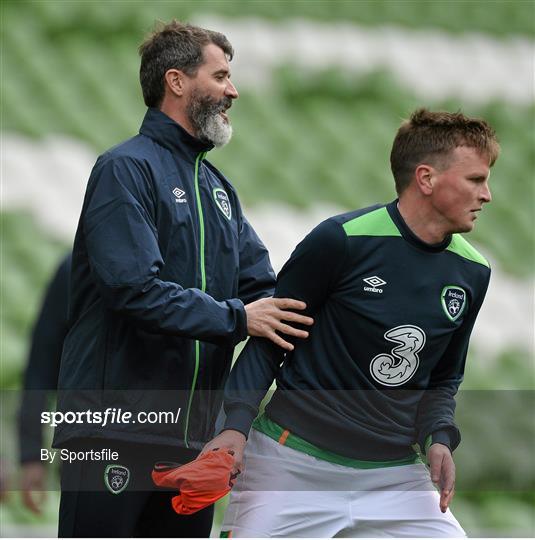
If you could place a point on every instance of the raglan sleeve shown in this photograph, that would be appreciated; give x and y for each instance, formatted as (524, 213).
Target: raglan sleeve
(121, 239)
(309, 275)
(436, 410)
(257, 278)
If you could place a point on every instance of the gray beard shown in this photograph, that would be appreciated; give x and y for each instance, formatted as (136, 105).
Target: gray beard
(203, 114)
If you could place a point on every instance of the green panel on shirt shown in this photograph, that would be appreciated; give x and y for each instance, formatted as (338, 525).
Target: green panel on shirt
(461, 247)
(375, 223)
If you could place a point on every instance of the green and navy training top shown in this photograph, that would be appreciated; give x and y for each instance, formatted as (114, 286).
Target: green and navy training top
(385, 357)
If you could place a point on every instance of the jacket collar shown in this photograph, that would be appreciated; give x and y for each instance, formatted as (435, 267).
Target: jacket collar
(409, 236)
(168, 133)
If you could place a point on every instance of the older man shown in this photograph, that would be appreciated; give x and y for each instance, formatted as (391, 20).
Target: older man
(167, 277)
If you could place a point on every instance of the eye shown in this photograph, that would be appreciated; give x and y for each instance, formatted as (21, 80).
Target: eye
(477, 179)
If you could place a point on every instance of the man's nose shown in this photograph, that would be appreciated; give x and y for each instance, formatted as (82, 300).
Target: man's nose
(231, 90)
(486, 195)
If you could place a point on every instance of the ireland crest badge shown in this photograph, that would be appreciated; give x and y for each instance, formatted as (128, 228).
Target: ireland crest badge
(453, 300)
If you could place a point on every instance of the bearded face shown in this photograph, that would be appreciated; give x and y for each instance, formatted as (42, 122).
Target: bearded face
(208, 119)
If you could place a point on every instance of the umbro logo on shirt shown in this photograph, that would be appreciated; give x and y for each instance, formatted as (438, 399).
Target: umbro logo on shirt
(179, 194)
(374, 283)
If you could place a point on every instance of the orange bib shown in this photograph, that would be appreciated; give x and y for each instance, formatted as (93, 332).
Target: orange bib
(200, 482)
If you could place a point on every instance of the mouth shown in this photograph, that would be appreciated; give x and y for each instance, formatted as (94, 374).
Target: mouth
(225, 106)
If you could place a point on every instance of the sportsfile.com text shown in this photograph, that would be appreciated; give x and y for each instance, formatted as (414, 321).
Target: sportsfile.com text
(111, 415)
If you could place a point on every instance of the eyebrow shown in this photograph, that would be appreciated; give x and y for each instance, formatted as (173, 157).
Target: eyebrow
(222, 71)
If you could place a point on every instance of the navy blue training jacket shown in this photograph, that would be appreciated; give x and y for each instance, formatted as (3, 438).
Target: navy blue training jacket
(163, 263)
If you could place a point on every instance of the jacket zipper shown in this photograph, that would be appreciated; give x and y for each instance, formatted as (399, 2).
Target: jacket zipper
(200, 157)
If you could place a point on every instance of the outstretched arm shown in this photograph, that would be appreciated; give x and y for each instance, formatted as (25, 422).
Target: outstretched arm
(121, 240)
(309, 276)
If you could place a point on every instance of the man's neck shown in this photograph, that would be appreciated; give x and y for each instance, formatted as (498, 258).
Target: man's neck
(422, 221)
(178, 115)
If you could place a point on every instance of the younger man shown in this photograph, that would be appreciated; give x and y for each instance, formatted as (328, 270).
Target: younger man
(394, 291)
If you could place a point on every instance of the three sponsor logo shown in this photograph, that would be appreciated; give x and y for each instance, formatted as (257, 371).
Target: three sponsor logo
(401, 364)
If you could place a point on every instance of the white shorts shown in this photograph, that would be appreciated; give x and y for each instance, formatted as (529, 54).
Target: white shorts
(285, 493)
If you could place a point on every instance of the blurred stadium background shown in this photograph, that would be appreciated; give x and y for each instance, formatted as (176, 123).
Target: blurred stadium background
(323, 87)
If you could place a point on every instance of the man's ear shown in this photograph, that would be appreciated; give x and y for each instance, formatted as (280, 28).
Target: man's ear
(424, 178)
(175, 81)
